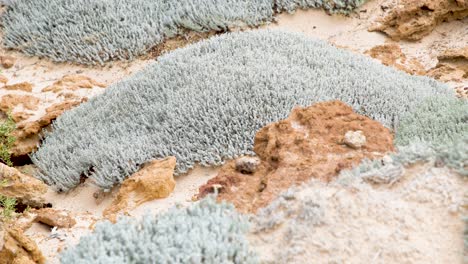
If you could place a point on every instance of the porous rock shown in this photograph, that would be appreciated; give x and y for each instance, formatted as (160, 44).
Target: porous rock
(412, 20)
(391, 55)
(7, 61)
(55, 218)
(24, 188)
(17, 248)
(153, 181)
(308, 144)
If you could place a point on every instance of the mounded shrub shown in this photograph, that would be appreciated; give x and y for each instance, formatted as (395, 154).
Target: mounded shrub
(204, 103)
(438, 120)
(332, 6)
(206, 232)
(94, 32)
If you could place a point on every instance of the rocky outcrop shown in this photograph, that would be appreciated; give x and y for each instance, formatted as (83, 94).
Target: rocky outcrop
(24, 188)
(154, 181)
(412, 20)
(391, 55)
(10, 101)
(452, 65)
(55, 218)
(308, 144)
(17, 248)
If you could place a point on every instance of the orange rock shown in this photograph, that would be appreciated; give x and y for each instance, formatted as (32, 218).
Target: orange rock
(7, 61)
(308, 144)
(24, 86)
(26, 189)
(412, 20)
(154, 181)
(53, 217)
(18, 248)
(391, 55)
(10, 101)
(27, 134)
(73, 83)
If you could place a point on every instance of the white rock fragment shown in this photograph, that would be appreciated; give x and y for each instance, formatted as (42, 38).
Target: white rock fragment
(355, 139)
(247, 165)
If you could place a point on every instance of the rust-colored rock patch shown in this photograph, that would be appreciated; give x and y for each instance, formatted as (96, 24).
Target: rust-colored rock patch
(153, 181)
(412, 20)
(10, 101)
(308, 144)
(391, 55)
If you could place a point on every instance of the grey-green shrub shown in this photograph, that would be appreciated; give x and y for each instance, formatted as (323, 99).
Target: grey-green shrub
(332, 6)
(97, 31)
(438, 120)
(91, 31)
(204, 103)
(206, 232)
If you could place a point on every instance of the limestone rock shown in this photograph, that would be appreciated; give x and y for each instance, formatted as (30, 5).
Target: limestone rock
(153, 181)
(3, 79)
(355, 139)
(247, 165)
(53, 217)
(308, 144)
(452, 65)
(26, 189)
(7, 61)
(18, 248)
(412, 20)
(10, 101)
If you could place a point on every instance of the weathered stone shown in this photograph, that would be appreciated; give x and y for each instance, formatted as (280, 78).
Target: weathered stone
(308, 144)
(153, 181)
(392, 55)
(247, 165)
(355, 139)
(7, 61)
(412, 20)
(24, 188)
(24, 86)
(18, 248)
(53, 217)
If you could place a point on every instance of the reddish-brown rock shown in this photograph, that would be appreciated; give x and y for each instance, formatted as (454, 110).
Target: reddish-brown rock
(308, 144)
(391, 55)
(24, 86)
(414, 19)
(452, 65)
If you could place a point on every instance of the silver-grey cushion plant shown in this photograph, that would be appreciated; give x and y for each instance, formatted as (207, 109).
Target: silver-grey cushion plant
(204, 103)
(97, 31)
(206, 232)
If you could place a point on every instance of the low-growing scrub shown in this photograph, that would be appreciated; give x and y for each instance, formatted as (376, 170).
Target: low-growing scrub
(204, 103)
(206, 232)
(94, 32)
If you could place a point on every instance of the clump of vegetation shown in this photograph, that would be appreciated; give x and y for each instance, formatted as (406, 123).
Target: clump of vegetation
(206, 232)
(8, 204)
(6, 140)
(94, 32)
(227, 88)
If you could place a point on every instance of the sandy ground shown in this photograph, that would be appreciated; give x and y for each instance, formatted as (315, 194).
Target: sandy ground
(347, 32)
